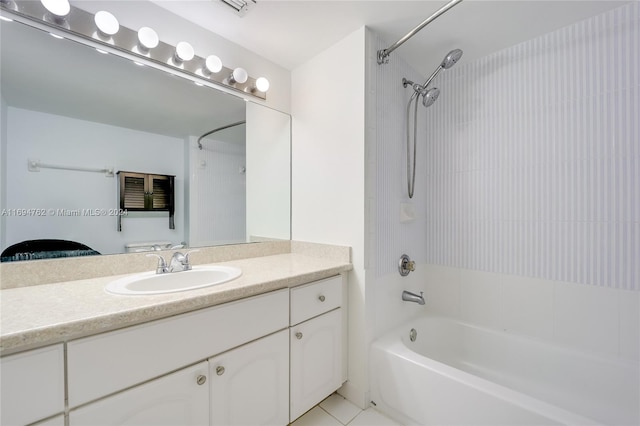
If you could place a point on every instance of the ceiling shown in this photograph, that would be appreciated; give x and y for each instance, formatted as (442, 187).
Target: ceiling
(291, 32)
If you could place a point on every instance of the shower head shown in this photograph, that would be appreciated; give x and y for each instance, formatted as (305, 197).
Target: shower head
(451, 59)
(448, 61)
(429, 96)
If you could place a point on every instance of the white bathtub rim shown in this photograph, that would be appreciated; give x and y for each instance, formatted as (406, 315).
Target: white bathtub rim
(394, 344)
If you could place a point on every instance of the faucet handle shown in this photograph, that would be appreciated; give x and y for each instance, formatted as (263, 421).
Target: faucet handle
(162, 264)
(186, 255)
(406, 265)
(181, 259)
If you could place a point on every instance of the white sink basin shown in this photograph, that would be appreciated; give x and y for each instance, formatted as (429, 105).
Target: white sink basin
(151, 283)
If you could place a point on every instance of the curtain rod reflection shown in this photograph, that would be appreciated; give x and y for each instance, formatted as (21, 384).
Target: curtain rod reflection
(217, 130)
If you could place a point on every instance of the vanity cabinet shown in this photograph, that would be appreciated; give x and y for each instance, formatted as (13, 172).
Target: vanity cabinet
(101, 365)
(262, 360)
(316, 343)
(180, 398)
(250, 385)
(32, 386)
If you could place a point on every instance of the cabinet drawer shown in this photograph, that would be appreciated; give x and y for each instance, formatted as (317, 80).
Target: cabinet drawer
(106, 363)
(310, 300)
(32, 385)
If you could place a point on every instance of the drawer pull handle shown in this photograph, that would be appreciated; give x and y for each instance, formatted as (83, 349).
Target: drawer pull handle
(201, 380)
(298, 335)
(321, 298)
(219, 370)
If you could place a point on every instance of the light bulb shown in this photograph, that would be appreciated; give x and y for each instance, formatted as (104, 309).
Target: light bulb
(239, 75)
(107, 23)
(147, 38)
(213, 64)
(184, 52)
(262, 84)
(59, 8)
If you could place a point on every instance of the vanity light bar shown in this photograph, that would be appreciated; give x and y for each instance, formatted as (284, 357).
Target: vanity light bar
(143, 45)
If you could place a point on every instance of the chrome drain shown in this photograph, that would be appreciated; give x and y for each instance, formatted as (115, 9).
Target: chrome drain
(413, 335)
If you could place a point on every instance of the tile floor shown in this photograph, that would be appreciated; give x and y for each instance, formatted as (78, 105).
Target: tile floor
(337, 411)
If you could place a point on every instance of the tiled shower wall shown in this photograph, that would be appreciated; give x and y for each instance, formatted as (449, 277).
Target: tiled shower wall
(533, 158)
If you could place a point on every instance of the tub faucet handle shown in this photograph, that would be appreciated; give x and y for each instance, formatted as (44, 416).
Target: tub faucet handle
(406, 265)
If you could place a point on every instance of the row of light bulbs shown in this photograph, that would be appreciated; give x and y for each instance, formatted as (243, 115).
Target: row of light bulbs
(148, 39)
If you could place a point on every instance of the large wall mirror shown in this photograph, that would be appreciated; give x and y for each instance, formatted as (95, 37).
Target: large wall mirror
(71, 115)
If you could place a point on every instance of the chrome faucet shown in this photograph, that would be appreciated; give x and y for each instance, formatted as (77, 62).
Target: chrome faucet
(179, 262)
(407, 296)
(162, 265)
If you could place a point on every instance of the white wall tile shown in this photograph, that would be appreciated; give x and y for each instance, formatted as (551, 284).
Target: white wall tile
(519, 180)
(527, 306)
(389, 309)
(442, 290)
(629, 325)
(586, 317)
(481, 294)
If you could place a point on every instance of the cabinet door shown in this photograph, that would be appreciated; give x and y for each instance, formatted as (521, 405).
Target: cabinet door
(250, 384)
(316, 361)
(160, 189)
(180, 398)
(32, 385)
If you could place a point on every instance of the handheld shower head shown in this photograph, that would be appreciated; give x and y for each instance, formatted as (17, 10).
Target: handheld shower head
(448, 61)
(451, 59)
(430, 96)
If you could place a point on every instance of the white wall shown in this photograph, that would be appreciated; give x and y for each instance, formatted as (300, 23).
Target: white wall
(268, 173)
(65, 141)
(328, 176)
(531, 191)
(3, 169)
(172, 29)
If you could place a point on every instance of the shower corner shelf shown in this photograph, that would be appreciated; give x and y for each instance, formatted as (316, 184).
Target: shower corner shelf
(146, 192)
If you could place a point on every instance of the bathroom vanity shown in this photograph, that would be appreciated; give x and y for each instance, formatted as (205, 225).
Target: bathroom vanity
(223, 355)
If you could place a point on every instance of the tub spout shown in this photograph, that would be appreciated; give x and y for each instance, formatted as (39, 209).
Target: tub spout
(407, 296)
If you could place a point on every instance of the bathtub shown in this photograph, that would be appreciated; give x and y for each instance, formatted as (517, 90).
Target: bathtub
(460, 374)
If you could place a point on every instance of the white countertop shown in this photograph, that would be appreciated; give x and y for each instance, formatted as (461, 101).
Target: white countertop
(41, 315)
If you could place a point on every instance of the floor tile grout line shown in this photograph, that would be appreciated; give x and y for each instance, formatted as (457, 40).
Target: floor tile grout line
(339, 421)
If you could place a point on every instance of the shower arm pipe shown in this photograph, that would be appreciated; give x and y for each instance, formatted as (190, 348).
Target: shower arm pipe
(383, 54)
(415, 86)
(217, 130)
